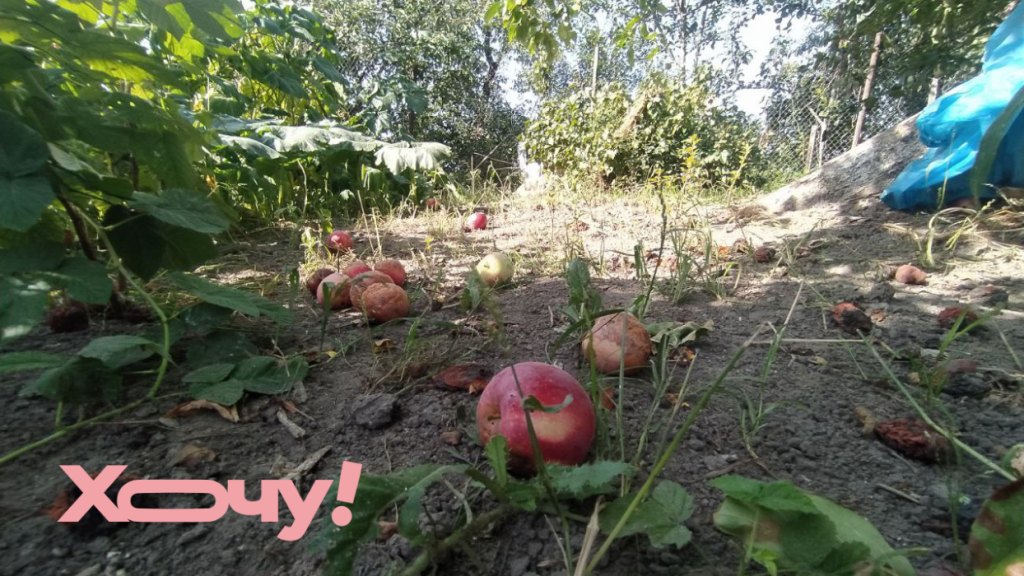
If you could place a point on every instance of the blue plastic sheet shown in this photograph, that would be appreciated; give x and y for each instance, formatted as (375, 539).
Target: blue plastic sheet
(952, 127)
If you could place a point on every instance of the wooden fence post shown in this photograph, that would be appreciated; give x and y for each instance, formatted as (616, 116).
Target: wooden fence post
(858, 130)
(809, 160)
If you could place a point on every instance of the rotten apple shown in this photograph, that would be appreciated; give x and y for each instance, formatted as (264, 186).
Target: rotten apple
(339, 241)
(495, 268)
(476, 221)
(363, 281)
(611, 345)
(314, 279)
(355, 269)
(384, 302)
(564, 437)
(340, 295)
(394, 269)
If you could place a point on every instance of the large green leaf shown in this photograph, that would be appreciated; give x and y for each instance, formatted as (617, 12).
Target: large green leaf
(34, 360)
(22, 150)
(22, 306)
(997, 536)
(586, 480)
(136, 239)
(216, 18)
(238, 300)
(661, 517)
(268, 375)
(801, 532)
(79, 381)
(402, 156)
(85, 280)
(227, 392)
(31, 258)
(183, 209)
(218, 347)
(119, 351)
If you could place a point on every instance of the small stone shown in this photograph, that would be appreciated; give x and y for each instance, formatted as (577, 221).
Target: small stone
(451, 437)
(966, 385)
(988, 295)
(195, 533)
(374, 411)
(91, 571)
(696, 445)
(533, 549)
(518, 566)
(880, 292)
(59, 552)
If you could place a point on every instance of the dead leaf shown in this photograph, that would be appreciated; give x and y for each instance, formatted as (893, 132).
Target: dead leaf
(608, 397)
(383, 345)
(451, 437)
(914, 378)
(682, 355)
(867, 419)
(471, 376)
(190, 455)
(229, 413)
(387, 530)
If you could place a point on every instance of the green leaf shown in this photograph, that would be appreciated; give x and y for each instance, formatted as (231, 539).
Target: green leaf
(22, 150)
(998, 533)
(119, 351)
(22, 306)
(209, 374)
(409, 513)
(202, 318)
(586, 480)
(220, 346)
(492, 11)
(227, 392)
(675, 334)
(85, 280)
(31, 257)
(78, 381)
(268, 375)
(238, 300)
(23, 200)
(661, 517)
(497, 454)
(183, 209)
(777, 496)
(184, 249)
(417, 156)
(532, 404)
(136, 239)
(25, 361)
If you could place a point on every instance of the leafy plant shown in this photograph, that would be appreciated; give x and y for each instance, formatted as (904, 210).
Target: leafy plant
(997, 533)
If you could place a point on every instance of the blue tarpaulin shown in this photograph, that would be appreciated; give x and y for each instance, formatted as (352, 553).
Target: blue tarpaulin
(952, 127)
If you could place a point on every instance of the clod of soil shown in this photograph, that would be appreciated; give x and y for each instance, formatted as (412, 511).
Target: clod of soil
(913, 438)
(374, 411)
(988, 295)
(764, 254)
(314, 279)
(612, 347)
(948, 316)
(384, 302)
(64, 319)
(851, 318)
(912, 275)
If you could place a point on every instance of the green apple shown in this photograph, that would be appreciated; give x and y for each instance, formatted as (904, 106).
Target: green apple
(495, 268)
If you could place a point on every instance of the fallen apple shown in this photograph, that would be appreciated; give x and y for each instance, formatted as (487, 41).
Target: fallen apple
(609, 347)
(476, 221)
(340, 295)
(363, 281)
(913, 275)
(384, 302)
(495, 268)
(314, 279)
(339, 241)
(394, 269)
(355, 269)
(433, 204)
(564, 437)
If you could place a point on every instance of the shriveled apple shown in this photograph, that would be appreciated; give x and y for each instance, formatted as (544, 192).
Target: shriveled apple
(340, 294)
(363, 281)
(338, 241)
(564, 437)
(495, 268)
(355, 269)
(611, 346)
(384, 302)
(314, 279)
(394, 269)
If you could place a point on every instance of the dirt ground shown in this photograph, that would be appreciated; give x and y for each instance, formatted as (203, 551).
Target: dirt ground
(815, 439)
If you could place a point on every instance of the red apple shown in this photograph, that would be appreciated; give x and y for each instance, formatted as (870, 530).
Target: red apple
(564, 437)
(340, 298)
(609, 346)
(339, 241)
(314, 279)
(355, 269)
(363, 281)
(476, 221)
(394, 269)
(433, 204)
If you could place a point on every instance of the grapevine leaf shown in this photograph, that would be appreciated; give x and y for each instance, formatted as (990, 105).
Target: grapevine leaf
(183, 209)
(586, 480)
(119, 351)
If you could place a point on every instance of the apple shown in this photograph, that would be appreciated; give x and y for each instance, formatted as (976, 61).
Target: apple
(355, 269)
(314, 279)
(564, 437)
(476, 221)
(339, 241)
(394, 269)
(433, 204)
(495, 268)
(609, 346)
(365, 280)
(340, 298)
(384, 302)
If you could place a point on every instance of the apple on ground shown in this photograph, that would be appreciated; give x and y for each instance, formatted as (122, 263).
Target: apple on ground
(384, 302)
(340, 296)
(339, 241)
(314, 279)
(564, 437)
(476, 221)
(362, 282)
(394, 269)
(495, 268)
(433, 204)
(355, 269)
(604, 344)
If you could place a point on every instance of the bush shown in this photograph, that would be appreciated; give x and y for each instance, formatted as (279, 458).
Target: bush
(669, 129)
